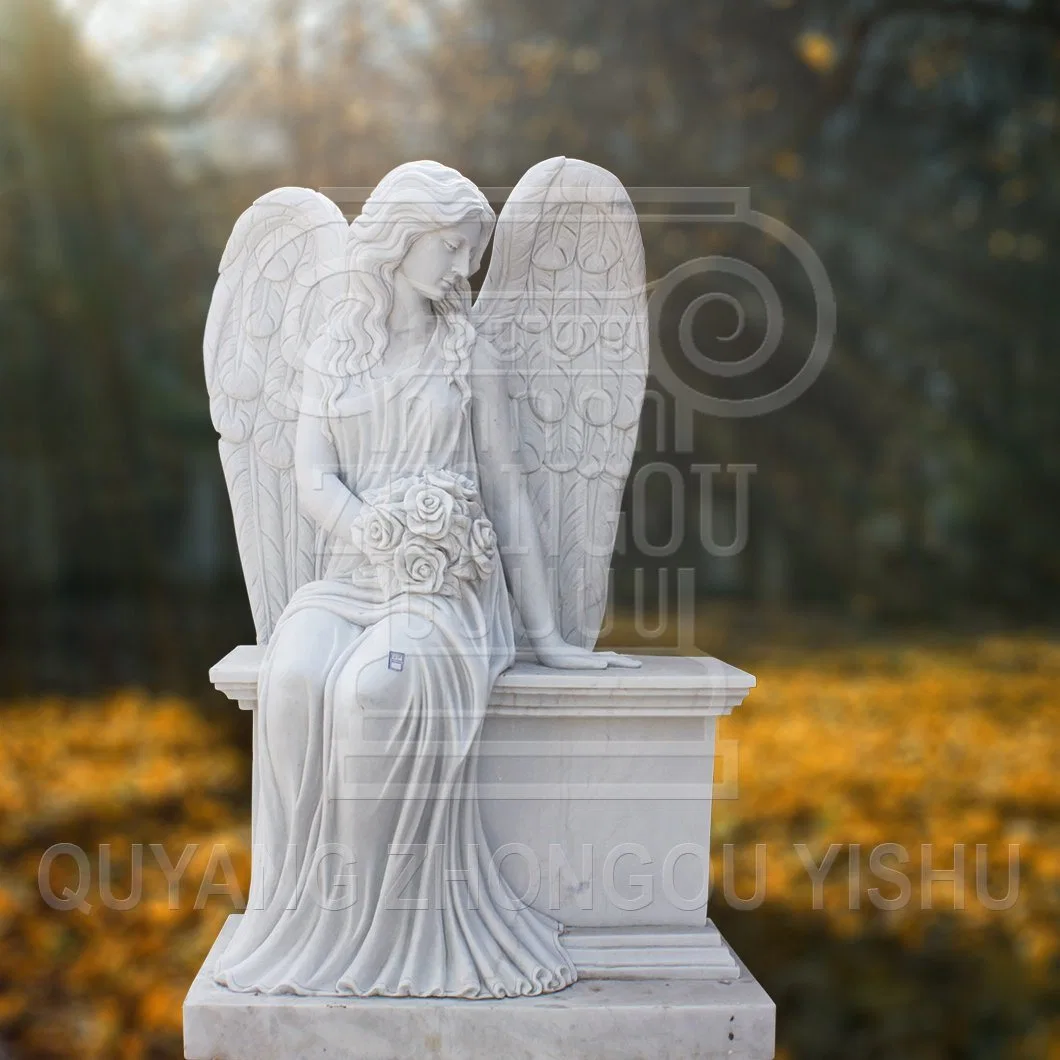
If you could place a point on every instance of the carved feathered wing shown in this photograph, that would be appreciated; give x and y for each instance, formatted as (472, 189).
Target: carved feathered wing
(564, 309)
(267, 306)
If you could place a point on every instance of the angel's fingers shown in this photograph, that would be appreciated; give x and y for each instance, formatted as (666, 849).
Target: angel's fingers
(595, 662)
(614, 659)
(577, 662)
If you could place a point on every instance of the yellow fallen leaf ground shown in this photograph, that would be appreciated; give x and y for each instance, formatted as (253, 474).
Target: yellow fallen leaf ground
(861, 754)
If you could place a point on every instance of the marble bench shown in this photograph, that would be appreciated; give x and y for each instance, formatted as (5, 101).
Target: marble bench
(596, 790)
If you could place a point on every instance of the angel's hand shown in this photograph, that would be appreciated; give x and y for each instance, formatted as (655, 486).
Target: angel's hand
(560, 655)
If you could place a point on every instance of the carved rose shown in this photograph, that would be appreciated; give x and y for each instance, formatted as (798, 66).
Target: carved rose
(427, 533)
(428, 509)
(455, 542)
(420, 567)
(377, 531)
(463, 567)
(460, 485)
(483, 545)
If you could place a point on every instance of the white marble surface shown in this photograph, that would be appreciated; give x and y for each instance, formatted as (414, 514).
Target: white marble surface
(421, 484)
(651, 953)
(670, 684)
(658, 1020)
(600, 785)
(424, 487)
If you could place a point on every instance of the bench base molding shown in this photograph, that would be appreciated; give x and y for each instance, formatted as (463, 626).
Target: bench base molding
(596, 789)
(651, 953)
(667, 1019)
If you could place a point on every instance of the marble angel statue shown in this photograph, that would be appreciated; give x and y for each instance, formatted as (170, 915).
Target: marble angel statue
(421, 487)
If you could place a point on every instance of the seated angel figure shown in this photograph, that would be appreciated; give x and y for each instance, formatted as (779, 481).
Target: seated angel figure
(408, 511)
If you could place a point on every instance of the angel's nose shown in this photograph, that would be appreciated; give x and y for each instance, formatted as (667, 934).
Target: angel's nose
(462, 262)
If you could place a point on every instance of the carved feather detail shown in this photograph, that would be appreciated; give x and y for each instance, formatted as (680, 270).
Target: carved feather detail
(266, 308)
(564, 308)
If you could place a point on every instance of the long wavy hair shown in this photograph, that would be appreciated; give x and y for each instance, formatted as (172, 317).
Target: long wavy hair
(411, 200)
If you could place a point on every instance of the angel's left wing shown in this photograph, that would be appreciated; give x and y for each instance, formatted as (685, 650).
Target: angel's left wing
(564, 311)
(280, 267)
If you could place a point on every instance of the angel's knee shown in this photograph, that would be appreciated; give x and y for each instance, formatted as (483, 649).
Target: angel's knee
(393, 659)
(293, 680)
(384, 683)
(299, 660)
(290, 704)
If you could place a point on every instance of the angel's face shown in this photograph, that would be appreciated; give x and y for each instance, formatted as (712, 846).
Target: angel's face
(437, 259)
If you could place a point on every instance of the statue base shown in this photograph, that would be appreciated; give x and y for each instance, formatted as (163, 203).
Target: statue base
(596, 790)
(667, 1019)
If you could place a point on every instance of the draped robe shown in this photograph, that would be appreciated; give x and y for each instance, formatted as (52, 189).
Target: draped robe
(372, 874)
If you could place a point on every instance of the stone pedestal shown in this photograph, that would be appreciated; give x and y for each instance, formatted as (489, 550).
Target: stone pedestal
(660, 1019)
(596, 790)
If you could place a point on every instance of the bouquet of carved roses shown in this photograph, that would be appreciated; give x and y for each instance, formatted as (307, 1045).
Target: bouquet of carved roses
(426, 533)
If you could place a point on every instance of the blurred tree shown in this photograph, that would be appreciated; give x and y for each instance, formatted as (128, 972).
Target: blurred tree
(114, 215)
(103, 286)
(914, 145)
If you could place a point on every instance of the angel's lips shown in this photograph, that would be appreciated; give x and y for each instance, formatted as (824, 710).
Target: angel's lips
(432, 291)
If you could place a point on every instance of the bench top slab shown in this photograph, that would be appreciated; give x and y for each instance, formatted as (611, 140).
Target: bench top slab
(664, 684)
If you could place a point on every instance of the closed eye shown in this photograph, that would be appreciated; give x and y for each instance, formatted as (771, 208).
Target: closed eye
(450, 245)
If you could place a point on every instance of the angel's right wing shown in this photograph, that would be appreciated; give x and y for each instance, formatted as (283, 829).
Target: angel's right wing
(276, 277)
(564, 311)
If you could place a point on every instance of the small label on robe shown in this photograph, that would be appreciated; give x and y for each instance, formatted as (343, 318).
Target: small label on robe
(397, 660)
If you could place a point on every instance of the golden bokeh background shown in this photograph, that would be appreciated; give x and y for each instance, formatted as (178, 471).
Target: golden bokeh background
(894, 585)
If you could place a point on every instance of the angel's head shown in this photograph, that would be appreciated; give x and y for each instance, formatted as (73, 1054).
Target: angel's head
(429, 224)
(432, 225)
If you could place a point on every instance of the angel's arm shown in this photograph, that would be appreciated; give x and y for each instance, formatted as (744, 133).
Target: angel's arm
(321, 492)
(507, 501)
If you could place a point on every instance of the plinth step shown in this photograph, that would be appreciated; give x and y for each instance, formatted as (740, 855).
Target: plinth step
(666, 1019)
(651, 953)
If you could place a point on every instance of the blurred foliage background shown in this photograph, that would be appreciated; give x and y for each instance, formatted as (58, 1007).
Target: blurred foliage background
(900, 571)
